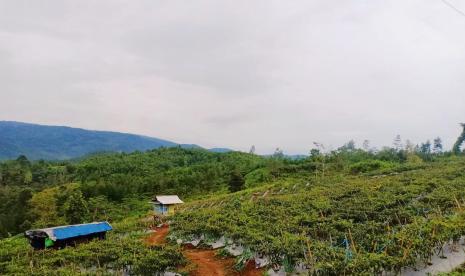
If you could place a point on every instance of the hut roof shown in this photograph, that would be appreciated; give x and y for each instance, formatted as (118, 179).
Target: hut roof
(168, 199)
(70, 231)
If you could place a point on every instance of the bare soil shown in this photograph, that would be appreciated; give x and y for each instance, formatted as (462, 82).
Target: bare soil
(204, 261)
(159, 236)
(207, 263)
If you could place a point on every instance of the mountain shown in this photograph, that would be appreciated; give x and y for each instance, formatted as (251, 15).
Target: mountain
(60, 142)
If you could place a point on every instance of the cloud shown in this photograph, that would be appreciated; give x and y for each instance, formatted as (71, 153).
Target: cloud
(236, 73)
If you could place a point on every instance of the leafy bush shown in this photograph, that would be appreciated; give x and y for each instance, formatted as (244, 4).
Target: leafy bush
(368, 166)
(257, 177)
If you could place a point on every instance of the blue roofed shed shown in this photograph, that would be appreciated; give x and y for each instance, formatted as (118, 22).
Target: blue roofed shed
(64, 235)
(71, 231)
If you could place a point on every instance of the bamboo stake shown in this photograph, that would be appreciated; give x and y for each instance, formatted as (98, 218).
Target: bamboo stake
(398, 219)
(407, 250)
(352, 241)
(310, 254)
(331, 241)
(458, 203)
(312, 263)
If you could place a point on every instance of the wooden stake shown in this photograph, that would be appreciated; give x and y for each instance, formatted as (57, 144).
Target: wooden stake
(458, 203)
(331, 241)
(352, 241)
(398, 219)
(407, 250)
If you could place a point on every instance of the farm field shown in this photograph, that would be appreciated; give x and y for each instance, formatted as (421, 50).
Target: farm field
(349, 212)
(340, 224)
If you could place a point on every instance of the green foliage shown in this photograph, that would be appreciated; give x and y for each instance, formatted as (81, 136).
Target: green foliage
(14, 213)
(157, 259)
(75, 208)
(456, 149)
(44, 208)
(257, 177)
(185, 172)
(108, 186)
(236, 182)
(369, 165)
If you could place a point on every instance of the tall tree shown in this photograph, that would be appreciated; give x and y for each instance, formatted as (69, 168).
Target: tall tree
(349, 146)
(366, 145)
(23, 161)
(409, 146)
(315, 154)
(425, 148)
(398, 143)
(437, 145)
(236, 182)
(278, 153)
(44, 207)
(460, 140)
(76, 208)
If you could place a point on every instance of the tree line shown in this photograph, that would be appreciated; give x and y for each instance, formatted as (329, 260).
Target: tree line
(109, 185)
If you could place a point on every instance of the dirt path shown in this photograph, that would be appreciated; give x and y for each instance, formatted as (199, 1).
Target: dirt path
(205, 262)
(159, 236)
(208, 264)
(250, 270)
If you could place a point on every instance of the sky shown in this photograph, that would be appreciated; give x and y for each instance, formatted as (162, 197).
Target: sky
(238, 73)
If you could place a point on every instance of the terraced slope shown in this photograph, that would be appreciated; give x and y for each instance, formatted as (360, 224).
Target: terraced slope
(338, 223)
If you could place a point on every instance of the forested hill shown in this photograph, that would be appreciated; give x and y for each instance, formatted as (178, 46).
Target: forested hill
(41, 193)
(59, 142)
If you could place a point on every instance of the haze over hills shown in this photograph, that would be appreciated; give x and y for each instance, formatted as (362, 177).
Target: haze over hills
(61, 142)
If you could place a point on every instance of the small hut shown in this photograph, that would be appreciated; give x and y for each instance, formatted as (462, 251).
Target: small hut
(166, 204)
(61, 236)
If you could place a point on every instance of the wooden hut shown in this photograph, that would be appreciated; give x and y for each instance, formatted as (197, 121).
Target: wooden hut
(166, 204)
(61, 236)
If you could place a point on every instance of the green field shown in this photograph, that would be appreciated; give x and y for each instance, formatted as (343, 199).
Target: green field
(341, 223)
(347, 212)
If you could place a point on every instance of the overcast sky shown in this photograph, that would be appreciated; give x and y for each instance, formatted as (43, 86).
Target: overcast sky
(238, 73)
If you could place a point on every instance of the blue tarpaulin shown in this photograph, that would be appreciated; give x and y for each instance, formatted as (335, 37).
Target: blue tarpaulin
(71, 231)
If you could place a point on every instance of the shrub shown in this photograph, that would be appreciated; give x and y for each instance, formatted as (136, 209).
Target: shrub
(368, 166)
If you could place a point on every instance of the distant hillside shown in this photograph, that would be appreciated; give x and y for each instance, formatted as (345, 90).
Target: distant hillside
(220, 150)
(59, 142)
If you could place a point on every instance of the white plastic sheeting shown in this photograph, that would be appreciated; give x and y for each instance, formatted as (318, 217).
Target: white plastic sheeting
(235, 250)
(168, 273)
(221, 242)
(455, 256)
(301, 269)
(280, 272)
(261, 261)
(194, 242)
